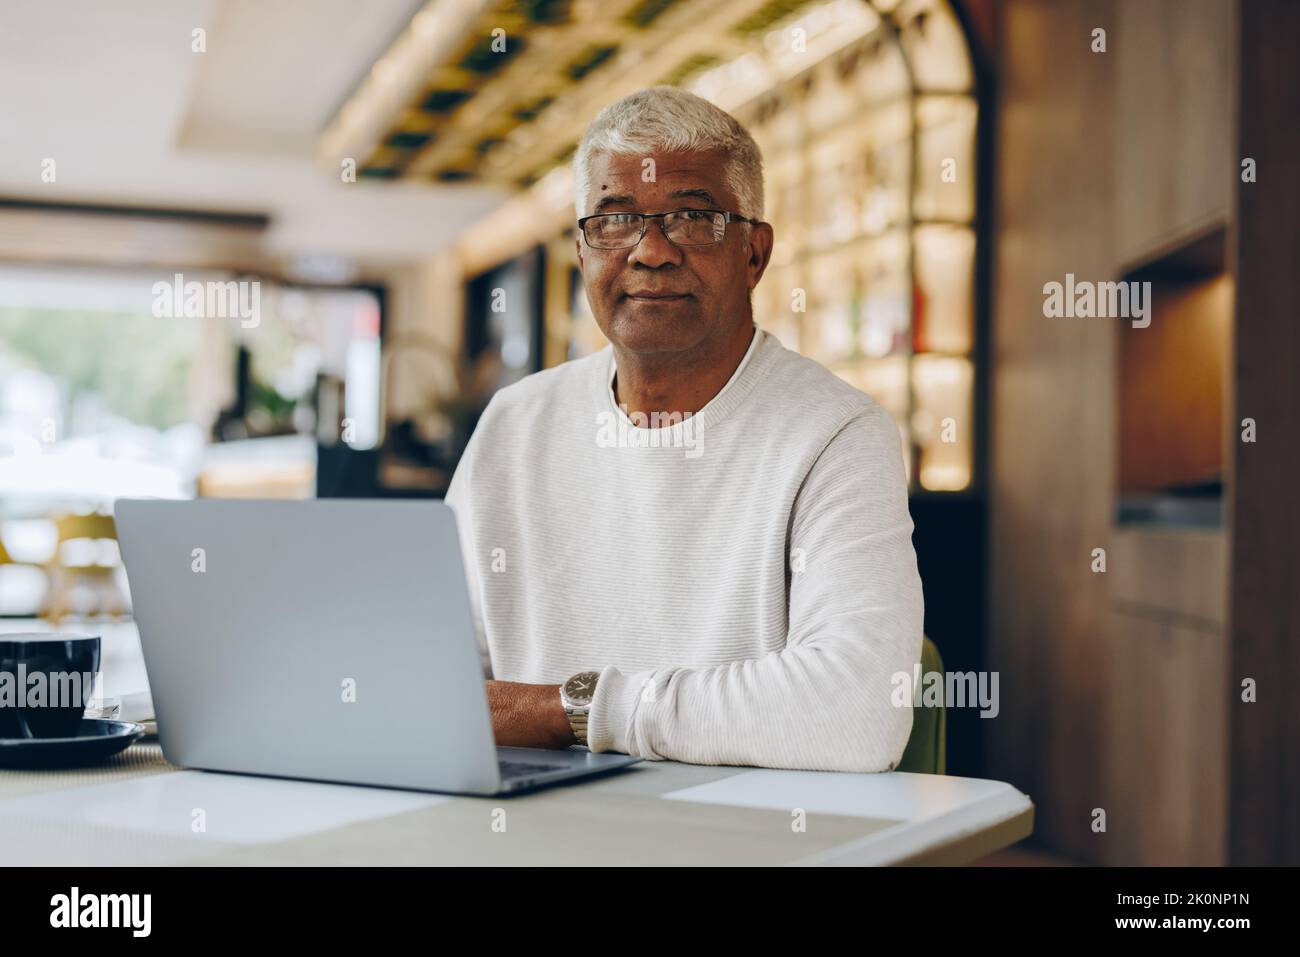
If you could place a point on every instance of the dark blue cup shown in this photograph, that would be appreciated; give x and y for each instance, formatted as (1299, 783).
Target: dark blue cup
(46, 681)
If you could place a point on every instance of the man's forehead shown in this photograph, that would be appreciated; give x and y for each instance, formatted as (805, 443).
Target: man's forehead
(626, 174)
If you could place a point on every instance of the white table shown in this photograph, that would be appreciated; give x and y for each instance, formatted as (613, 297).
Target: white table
(138, 809)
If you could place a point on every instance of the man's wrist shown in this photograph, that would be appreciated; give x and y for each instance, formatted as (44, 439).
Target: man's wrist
(557, 718)
(528, 715)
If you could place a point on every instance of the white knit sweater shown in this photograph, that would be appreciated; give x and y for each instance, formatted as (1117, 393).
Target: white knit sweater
(743, 580)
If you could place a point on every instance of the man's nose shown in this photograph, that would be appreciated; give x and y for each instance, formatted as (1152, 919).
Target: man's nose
(654, 249)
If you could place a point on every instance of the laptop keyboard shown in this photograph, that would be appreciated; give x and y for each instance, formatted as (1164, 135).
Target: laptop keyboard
(516, 769)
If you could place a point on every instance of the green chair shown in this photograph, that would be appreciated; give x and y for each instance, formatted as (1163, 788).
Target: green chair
(926, 750)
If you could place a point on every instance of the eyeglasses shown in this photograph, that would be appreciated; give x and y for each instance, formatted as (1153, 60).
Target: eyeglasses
(682, 227)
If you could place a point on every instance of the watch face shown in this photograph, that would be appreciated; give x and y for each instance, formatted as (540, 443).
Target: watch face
(581, 688)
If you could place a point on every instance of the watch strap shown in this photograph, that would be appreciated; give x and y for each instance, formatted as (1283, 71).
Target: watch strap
(578, 722)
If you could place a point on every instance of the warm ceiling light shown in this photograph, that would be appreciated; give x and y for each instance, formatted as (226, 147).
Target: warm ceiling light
(384, 71)
(425, 24)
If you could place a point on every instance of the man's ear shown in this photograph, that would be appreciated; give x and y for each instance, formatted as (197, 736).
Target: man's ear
(578, 244)
(761, 238)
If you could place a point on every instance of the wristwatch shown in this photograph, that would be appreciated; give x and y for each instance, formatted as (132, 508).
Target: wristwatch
(577, 694)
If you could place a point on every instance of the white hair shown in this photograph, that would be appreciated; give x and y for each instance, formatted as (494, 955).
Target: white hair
(670, 119)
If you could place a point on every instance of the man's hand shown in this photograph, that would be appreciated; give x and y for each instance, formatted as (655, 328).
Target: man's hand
(528, 716)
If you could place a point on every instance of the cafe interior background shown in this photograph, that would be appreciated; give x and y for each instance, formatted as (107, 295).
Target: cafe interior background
(384, 170)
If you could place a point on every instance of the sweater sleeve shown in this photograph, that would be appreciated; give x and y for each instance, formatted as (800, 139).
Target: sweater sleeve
(826, 700)
(459, 497)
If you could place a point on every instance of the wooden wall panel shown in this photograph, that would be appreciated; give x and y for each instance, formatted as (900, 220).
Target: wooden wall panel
(1172, 61)
(1053, 422)
(1166, 765)
(1179, 573)
(1265, 602)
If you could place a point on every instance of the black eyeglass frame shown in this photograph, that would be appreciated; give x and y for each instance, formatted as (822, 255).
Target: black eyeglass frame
(728, 218)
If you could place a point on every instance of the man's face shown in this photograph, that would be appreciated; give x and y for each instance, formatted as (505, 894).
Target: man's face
(656, 297)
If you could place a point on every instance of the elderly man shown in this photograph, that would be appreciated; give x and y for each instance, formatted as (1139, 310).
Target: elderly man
(695, 544)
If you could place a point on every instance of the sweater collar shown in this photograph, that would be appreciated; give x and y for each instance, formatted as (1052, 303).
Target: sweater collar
(729, 397)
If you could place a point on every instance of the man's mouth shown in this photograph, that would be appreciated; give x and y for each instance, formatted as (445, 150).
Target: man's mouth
(656, 296)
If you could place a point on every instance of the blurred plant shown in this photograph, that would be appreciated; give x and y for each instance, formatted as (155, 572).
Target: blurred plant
(135, 364)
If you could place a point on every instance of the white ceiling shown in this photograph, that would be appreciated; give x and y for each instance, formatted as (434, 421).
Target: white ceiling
(114, 94)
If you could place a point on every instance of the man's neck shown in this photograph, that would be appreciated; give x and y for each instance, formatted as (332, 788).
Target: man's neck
(676, 383)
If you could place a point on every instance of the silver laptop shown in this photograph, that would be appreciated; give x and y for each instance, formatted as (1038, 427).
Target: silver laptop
(330, 640)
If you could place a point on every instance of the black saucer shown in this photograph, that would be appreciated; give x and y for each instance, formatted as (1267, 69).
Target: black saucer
(95, 741)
